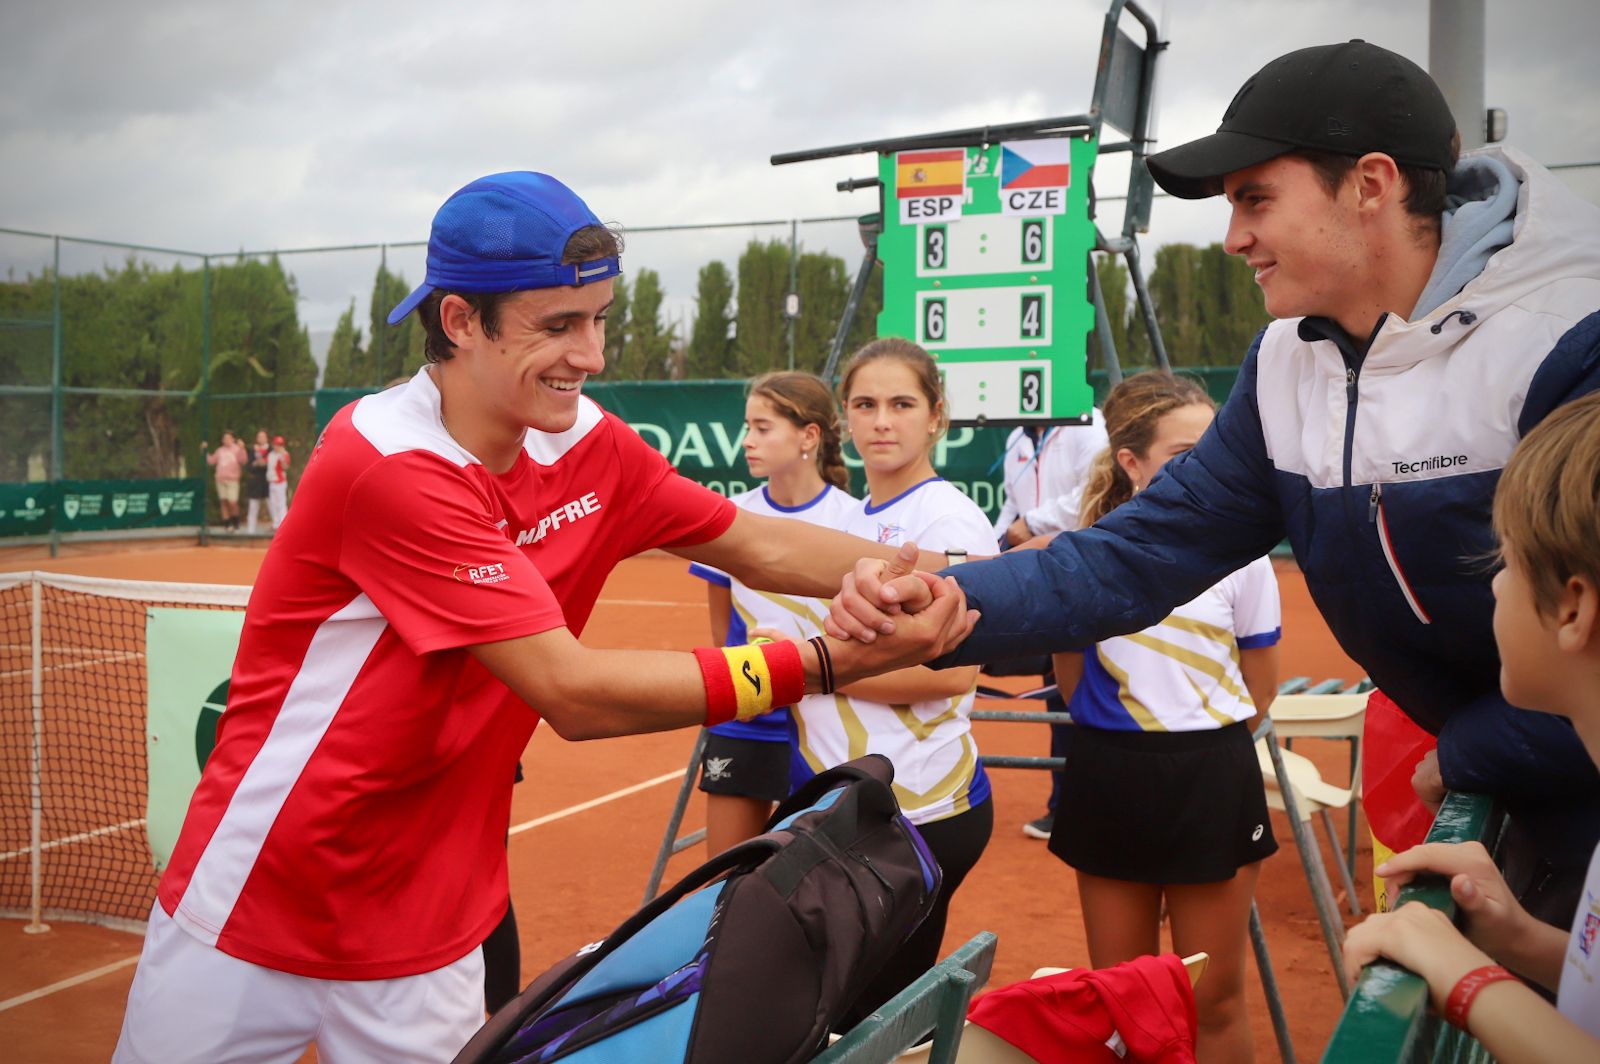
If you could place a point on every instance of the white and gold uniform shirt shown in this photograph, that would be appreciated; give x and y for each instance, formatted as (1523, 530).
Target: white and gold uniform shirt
(936, 769)
(1183, 673)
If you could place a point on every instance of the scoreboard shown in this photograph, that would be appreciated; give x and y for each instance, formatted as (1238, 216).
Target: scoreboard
(985, 254)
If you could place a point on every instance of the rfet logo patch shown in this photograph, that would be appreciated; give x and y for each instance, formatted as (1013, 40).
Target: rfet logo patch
(1591, 931)
(890, 534)
(489, 573)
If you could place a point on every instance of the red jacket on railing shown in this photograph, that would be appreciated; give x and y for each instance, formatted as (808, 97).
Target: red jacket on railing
(1142, 1010)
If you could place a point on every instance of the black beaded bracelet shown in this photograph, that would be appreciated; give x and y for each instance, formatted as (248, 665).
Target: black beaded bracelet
(824, 663)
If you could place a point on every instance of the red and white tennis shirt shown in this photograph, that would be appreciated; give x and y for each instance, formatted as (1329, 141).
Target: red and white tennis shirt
(351, 821)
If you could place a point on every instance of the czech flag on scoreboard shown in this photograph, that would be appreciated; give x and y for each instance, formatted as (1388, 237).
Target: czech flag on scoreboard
(1036, 163)
(936, 172)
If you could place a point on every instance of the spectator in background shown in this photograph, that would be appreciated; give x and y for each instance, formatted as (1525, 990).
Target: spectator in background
(277, 477)
(1045, 469)
(255, 481)
(228, 460)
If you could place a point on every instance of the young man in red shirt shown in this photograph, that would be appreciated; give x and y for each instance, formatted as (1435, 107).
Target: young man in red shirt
(343, 856)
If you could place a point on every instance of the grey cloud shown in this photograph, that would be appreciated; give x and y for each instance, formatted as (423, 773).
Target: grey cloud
(215, 126)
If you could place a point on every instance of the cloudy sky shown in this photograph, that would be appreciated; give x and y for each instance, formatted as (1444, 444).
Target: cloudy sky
(219, 127)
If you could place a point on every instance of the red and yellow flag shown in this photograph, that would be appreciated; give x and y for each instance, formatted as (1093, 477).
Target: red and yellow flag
(935, 172)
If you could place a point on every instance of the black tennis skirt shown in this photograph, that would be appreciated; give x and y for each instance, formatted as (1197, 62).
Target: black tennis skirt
(1162, 807)
(745, 768)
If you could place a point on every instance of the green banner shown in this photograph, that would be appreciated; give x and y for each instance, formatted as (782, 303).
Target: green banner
(97, 505)
(27, 509)
(189, 654)
(699, 427)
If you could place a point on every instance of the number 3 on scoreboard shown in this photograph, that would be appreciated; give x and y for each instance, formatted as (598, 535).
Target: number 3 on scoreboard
(933, 247)
(1031, 393)
(932, 321)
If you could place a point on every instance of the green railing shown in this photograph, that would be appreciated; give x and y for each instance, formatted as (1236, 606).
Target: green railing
(1387, 1019)
(936, 1002)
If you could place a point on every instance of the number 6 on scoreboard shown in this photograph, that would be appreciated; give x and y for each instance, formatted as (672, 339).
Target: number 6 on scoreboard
(933, 321)
(1032, 241)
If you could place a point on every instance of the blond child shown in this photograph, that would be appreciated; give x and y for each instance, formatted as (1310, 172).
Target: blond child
(1547, 627)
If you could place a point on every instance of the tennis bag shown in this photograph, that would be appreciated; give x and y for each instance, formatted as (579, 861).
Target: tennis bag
(751, 957)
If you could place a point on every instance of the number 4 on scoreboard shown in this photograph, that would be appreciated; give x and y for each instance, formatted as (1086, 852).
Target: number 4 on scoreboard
(1032, 315)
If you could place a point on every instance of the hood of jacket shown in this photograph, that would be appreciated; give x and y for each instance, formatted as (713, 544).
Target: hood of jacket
(1555, 236)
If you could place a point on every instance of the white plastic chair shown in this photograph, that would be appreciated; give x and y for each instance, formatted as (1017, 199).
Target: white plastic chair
(1294, 785)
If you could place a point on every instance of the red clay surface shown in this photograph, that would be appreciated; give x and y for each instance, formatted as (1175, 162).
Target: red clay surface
(577, 875)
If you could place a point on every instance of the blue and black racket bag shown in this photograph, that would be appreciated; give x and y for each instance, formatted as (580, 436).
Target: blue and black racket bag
(750, 958)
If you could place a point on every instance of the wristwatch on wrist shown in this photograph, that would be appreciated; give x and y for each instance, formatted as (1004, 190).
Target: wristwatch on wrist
(955, 557)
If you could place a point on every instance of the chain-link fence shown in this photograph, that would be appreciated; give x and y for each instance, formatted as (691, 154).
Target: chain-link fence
(122, 365)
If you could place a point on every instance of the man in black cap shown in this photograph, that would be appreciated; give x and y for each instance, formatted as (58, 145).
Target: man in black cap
(1430, 312)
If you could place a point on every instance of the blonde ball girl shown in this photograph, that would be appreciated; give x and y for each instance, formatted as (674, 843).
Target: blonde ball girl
(1162, 798)
(918, 717)
(792, 441)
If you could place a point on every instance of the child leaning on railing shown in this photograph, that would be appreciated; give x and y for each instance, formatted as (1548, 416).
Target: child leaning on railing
(1547, 626)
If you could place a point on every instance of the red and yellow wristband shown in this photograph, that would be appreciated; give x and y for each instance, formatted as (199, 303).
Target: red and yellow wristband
(746, 681)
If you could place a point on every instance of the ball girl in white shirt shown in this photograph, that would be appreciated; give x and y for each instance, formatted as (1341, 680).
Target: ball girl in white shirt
(792, 441)
(1162, 800)
(917, 717)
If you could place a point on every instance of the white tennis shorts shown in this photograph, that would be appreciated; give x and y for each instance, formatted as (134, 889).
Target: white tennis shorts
(193, 1003)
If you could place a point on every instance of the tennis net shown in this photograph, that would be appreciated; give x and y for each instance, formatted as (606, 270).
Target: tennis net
(73, 765)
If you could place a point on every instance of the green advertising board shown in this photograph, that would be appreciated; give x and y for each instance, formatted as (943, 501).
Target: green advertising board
(26, 509)
(985, 253)
(189, 655)
(35, 509)
(97, 505)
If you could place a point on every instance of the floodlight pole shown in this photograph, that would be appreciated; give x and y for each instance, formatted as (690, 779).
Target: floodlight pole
(1455, 60)
(57, 443)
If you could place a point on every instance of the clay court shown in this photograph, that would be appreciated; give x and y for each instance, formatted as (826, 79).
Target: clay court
(588, 819)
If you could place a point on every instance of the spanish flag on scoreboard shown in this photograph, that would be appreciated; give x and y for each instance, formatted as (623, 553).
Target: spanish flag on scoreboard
(936, 172)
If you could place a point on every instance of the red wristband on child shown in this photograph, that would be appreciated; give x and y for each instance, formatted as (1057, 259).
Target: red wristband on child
(1466, 989)
(744, 682)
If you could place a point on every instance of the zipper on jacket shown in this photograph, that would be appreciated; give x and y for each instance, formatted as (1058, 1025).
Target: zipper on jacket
(1349, 418)
(1375, 515)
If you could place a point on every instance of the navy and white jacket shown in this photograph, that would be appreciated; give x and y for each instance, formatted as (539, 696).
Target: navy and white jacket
(1380, 468)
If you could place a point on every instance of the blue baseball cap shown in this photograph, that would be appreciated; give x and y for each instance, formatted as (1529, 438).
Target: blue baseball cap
(505, 233)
